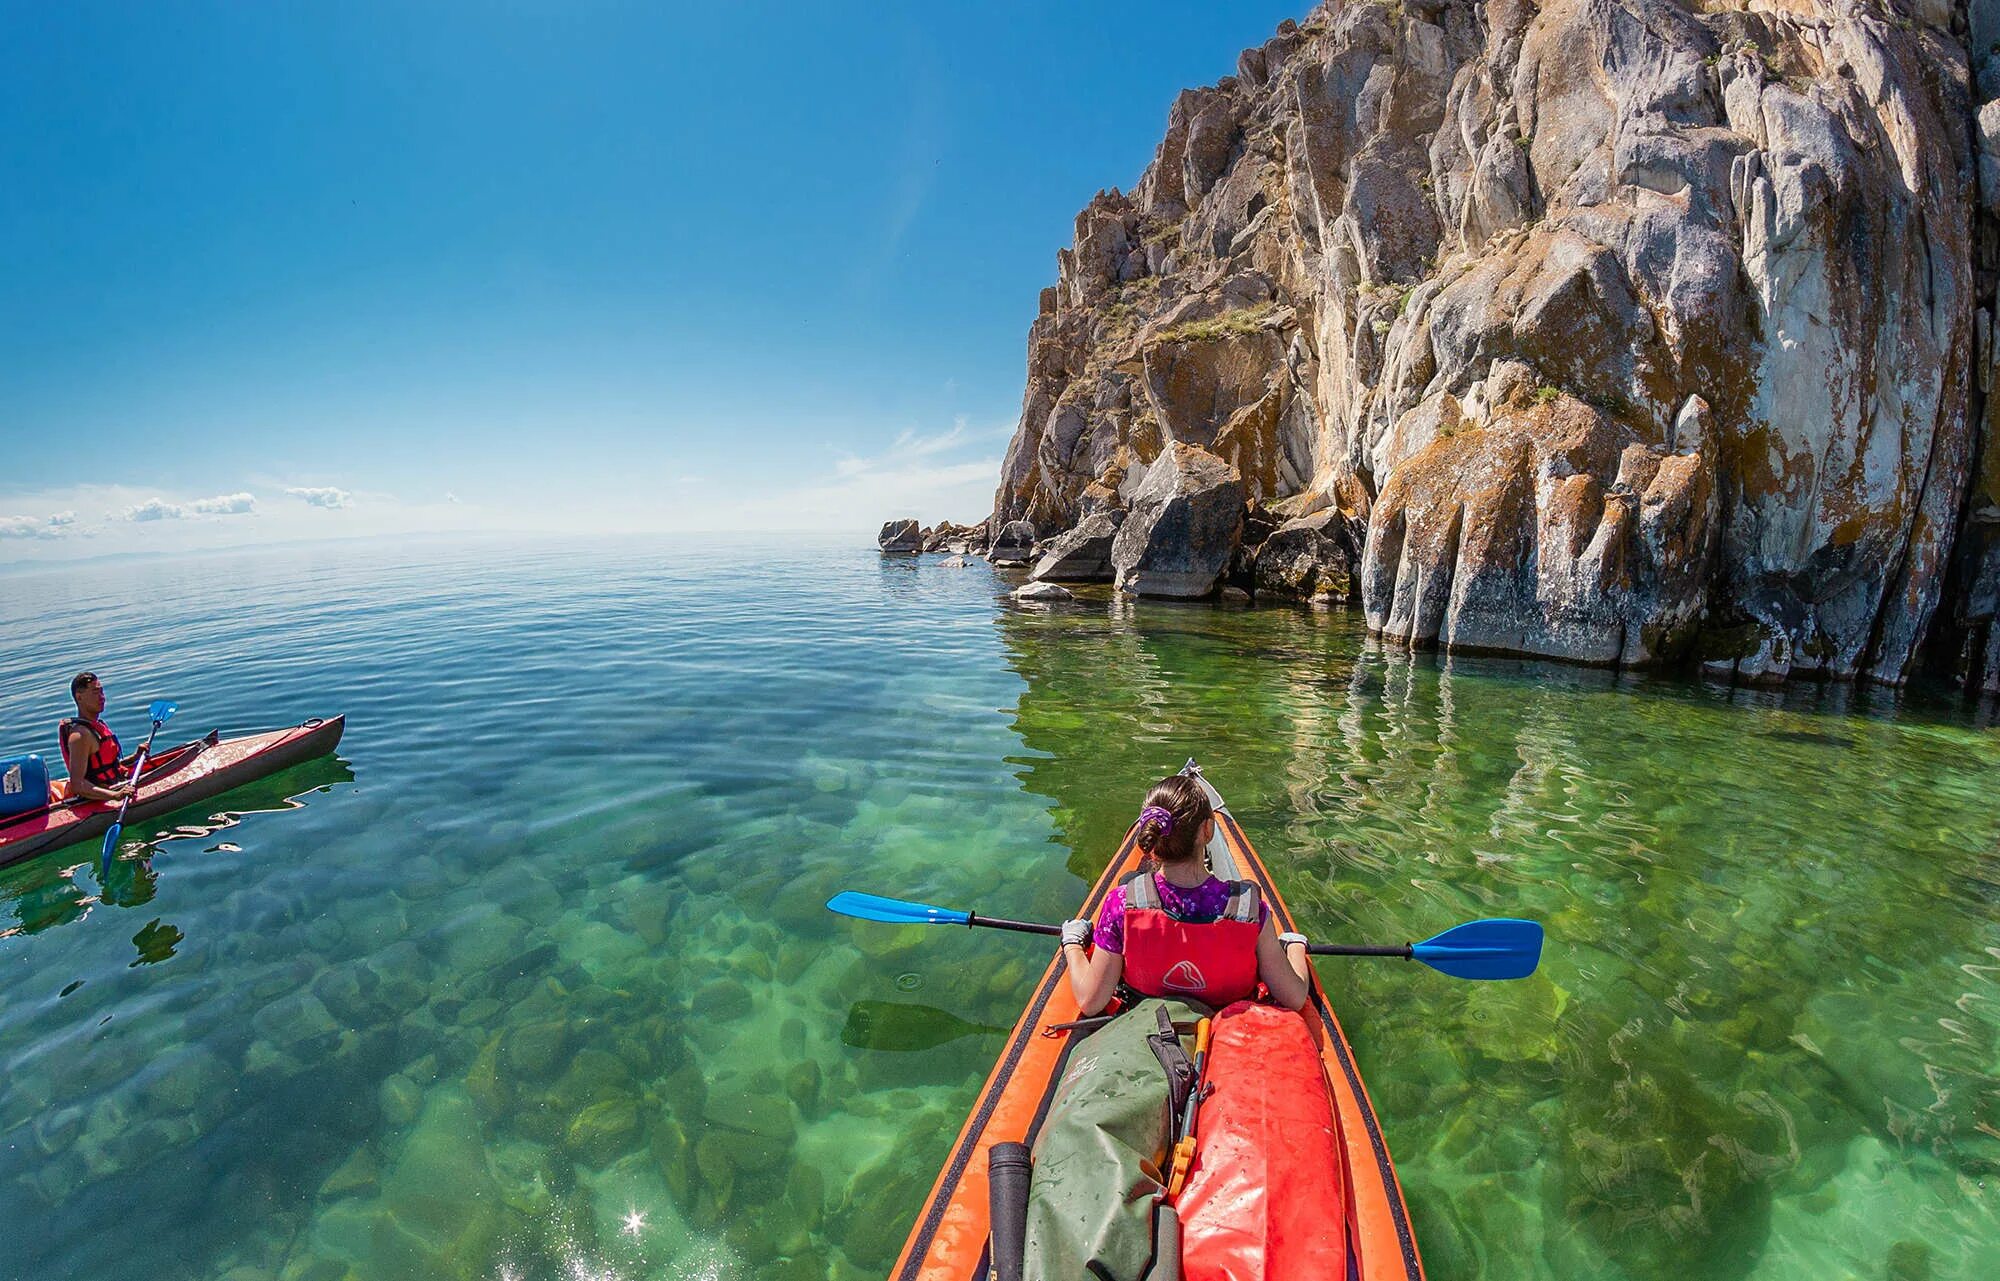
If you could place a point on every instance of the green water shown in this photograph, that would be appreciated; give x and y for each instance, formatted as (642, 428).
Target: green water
(534, 981)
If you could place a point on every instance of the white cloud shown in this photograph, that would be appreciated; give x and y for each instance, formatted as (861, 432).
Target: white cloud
(237, 504)
(323, 496)
(155, 509)
(36, 526)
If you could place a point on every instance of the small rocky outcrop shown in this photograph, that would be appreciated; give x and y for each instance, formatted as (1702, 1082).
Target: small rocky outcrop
(955, 539)
(1185, 522)
(1455, 273)
(1013, 543)
(1082, 555)
(901, 538)
(1304, 559)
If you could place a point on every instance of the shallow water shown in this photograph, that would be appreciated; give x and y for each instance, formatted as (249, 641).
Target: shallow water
(535, 981)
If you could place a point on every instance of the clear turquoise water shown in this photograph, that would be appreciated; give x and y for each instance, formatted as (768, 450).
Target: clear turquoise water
(534, 981)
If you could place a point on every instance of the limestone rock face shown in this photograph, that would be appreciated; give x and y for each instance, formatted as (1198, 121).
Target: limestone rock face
(1083, 555)
(1185, 521)
(900, 537)
(1552, 530)
(1684, 308)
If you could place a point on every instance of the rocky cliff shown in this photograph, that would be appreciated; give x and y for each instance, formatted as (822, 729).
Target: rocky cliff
(1613, 330)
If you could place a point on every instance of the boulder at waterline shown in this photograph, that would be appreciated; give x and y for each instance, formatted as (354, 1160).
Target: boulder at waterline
(1082, 555)
(900, 538)
(1013, 545)
(1042, 592)
(1183, 526)
(1304, 560)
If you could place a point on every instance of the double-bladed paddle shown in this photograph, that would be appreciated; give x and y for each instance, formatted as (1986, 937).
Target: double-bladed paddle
(161, 712)
(1499, 948)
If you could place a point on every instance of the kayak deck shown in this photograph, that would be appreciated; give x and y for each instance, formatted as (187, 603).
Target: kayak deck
(176, 777)
(949, 1239)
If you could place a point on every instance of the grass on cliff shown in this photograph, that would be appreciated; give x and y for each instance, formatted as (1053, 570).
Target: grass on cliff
(1230, 324)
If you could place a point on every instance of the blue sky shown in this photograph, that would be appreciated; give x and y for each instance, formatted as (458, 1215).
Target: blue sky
(295, 270)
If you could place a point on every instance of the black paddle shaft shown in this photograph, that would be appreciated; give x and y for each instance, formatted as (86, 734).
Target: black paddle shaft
(1354, 949)
(1025, 927)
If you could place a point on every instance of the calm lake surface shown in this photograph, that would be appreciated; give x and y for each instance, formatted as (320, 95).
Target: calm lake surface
(534, 981)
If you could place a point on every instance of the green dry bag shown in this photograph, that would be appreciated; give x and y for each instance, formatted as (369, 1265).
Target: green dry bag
(1100, 1158)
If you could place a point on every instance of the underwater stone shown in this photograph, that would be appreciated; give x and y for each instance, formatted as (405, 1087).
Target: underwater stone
(603, 1130)
(311, 1267)
(55, 1131)
(440, 1178)
(520, 1170)
(717, 1169)
(675, 1156)
(533, 1051)
(686, 1090)
(802, 1082)
(723, 999)
(348, 991)
(878, 1211)
(792, 1037)
(402, 976)
(805, 1193)
(593, 1075)
(358, 1175)
(400, 1100)
(798, 1267)
(483, 938)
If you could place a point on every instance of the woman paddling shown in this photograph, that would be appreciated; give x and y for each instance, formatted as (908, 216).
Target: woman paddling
(1180, 931)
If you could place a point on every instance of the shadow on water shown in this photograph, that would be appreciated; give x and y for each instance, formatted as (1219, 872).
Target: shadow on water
(893, 1025)
(1766, 1027)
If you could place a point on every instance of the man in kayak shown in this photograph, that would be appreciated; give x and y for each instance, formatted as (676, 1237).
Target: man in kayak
(89, 748)
(1180, 931)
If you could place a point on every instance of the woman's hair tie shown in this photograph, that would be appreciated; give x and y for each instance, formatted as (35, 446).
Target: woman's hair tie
(1159, 814)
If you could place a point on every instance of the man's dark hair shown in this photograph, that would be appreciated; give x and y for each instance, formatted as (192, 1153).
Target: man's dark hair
(79, 681)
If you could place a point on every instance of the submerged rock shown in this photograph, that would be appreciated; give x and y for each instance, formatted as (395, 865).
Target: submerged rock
(1043, 592)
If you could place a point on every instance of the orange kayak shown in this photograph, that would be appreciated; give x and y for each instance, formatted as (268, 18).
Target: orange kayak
(949, 1240)
(175, 777)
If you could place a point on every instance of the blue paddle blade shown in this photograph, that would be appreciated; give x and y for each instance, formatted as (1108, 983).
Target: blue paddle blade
(1502, 948)
(162, 712)
(111, 841)
(871, 907)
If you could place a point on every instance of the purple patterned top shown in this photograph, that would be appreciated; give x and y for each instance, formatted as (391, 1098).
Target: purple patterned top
(1204, 902)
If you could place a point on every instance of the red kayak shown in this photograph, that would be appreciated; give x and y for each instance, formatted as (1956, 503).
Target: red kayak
(175, 777)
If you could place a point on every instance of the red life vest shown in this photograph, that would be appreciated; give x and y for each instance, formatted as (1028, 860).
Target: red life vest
(102, 768)
(1214, 962)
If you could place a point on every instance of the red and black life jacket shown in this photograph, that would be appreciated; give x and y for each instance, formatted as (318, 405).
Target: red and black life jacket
(102, 768)
(1214, 962)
